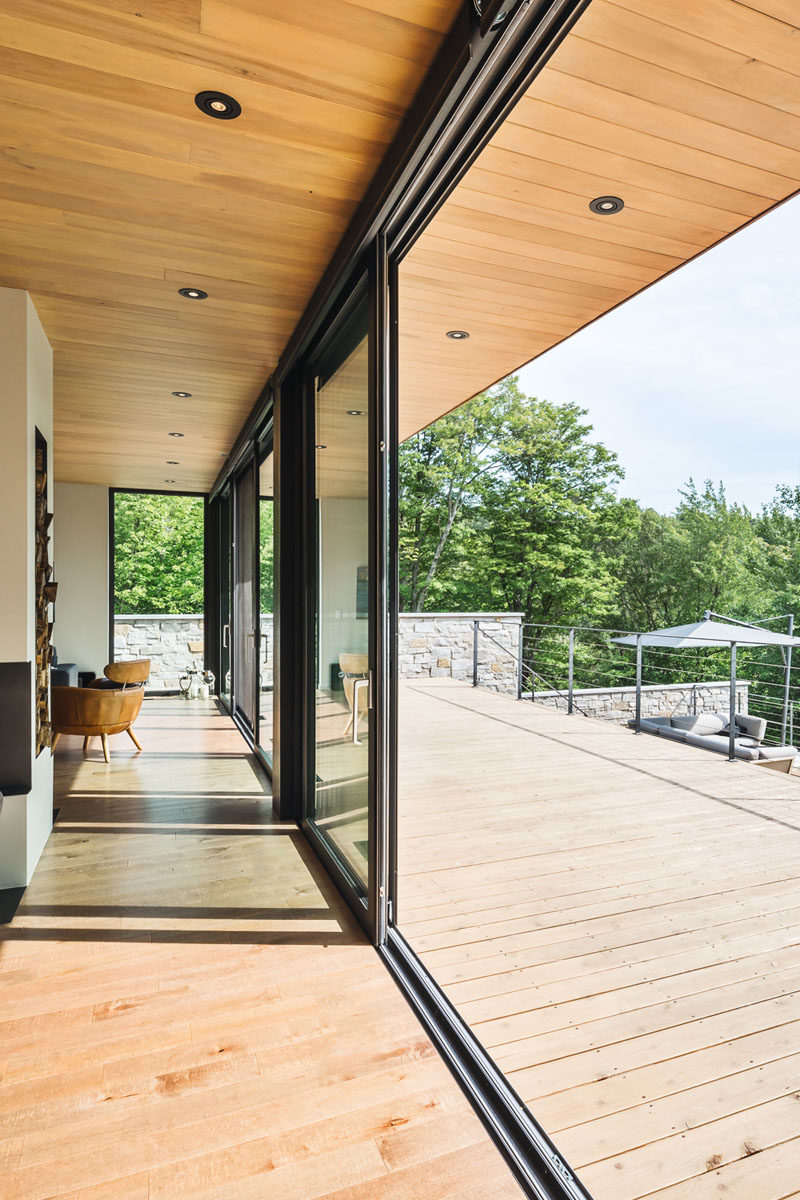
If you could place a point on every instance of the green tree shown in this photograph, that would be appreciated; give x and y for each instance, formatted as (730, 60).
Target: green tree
(551, 514)
(158, 553)
(705, 556)
(266, 555)
(777, 569)
(441, 473)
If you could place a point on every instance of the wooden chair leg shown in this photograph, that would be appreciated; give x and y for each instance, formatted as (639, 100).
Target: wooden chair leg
(85, 744)
(54, 742)
(104, 739)
(133, 738)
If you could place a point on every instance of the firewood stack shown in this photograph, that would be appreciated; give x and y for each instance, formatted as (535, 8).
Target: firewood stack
(45, 596)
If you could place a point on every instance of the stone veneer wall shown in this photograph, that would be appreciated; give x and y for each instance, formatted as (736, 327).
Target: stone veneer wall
(661, 700)
(440, 645)
(164, 639)
(432, 645)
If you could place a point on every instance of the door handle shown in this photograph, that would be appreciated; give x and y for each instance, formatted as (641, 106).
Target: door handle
(358, 684)
(226, 632)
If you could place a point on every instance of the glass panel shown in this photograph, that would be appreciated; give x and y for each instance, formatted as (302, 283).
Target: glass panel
(158, 584)
(244, 671)
(599, 906)
(266, 559)
(225, 537)
(343, 720)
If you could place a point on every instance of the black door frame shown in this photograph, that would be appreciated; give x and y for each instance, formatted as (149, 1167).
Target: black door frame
(219, 534)
(239, 712)
(332, 341)
(264, 446)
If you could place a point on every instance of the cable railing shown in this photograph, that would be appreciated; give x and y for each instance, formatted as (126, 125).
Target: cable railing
(568, 666)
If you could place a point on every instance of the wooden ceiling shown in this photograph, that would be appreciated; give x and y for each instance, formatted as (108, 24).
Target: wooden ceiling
(690, 112)
(116, 191)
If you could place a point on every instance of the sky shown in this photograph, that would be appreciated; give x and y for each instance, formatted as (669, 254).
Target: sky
(698, 376)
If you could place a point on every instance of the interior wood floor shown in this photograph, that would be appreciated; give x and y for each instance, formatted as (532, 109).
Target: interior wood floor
(189, 1010)
(618, 919)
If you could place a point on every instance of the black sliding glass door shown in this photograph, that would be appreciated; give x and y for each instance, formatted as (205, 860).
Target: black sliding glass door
(266, 605)
(245, 633)
(225, 561)
(340, 780)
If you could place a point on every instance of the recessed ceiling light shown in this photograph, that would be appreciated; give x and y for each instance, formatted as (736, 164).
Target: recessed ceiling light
(183, 395)
(176, 435)
(170, 481)
(604, 206)
(356, 412)
(320, 446)
(218, 104)
(193, 293)
(458, 335)
(172, 463)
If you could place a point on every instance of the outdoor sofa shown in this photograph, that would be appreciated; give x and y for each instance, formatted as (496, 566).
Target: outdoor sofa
(709, 731)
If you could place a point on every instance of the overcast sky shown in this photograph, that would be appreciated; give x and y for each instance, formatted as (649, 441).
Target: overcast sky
(700, 375)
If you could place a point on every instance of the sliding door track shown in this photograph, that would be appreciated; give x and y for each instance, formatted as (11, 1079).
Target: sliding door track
(538, 1167)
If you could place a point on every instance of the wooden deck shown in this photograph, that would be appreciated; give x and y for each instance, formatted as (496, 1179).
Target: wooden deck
(618, 919)
(190, 1013)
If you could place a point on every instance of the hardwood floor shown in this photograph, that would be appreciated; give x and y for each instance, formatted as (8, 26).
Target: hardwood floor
(188, 1009)
(618, 919)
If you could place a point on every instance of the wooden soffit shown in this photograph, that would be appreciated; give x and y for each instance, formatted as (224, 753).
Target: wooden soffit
(117, 191)
(689, 112)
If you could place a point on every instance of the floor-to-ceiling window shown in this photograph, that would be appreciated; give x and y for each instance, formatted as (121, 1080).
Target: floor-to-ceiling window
(245, 634)
(266, 602)
(342, 712)
(158, 568)
(224, 552)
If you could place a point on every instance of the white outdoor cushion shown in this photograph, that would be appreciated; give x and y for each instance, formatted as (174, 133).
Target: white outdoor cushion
(754, 727)
(702, 723)
(776, 751)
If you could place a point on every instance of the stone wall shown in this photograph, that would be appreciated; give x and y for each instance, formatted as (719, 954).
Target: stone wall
(431, 645)
(440, 645)
(661, 700)
(164, 639)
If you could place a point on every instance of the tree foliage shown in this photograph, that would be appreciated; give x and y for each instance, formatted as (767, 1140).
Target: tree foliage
(158, 553)
(509, 504)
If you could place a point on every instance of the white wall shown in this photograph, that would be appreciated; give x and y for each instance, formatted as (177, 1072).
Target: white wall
(344, 547)
(26, 403)
(80, 633)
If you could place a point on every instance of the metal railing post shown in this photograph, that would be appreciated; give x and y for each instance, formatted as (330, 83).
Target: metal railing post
(570, 687)
(475, 625)
(787, 681)
(638, 718)
(519, 660)
(732, 718)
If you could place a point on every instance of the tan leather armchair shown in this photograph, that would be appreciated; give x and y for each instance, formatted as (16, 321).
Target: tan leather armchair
(95, 713)
(123, 674)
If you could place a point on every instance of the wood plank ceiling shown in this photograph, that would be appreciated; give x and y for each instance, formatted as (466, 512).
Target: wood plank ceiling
(116, 191)
(689, 112)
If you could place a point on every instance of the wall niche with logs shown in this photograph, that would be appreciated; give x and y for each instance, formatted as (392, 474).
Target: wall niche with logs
(46, 591)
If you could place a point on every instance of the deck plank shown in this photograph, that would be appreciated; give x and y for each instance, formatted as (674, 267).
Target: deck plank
(618, 919)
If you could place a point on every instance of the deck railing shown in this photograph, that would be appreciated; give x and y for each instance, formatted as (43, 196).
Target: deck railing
(579, 669)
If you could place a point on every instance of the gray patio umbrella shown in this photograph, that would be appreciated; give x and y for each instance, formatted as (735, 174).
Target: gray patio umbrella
(710, 633)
